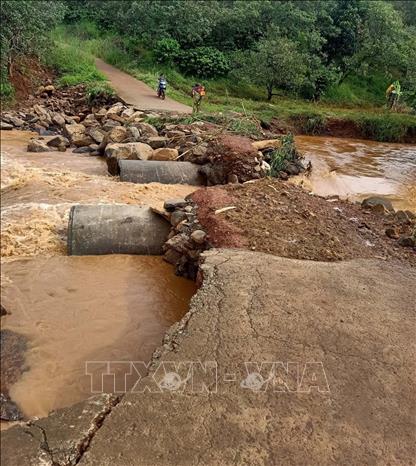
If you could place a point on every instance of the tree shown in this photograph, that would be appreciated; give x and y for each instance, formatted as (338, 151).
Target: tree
(25, 28)
(276, 63)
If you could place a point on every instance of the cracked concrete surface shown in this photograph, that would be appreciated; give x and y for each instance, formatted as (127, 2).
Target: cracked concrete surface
(59, 439)
(347, 395)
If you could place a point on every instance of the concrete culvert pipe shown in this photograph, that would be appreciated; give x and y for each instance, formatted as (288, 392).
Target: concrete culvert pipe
(148, 171)
(115, 229)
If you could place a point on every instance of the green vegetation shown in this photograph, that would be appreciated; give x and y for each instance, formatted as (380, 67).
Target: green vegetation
(75, 65)
(286, 153)
(25, 27)
(314, 61)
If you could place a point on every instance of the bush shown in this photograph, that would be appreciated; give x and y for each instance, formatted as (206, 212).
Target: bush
(6, 89)
(204, 62)
(286, 153)
(166, 50)
(98, 92)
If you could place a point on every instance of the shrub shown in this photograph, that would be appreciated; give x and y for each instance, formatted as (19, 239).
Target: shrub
(205, 62)
(286, 153)
(6, 89)
(166, 50)
(99, 92)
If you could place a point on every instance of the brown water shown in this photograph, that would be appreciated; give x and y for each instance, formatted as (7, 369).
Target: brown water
(356, 169)
(76, 309)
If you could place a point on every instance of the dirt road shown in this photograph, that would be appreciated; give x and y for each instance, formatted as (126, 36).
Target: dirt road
(137, 93)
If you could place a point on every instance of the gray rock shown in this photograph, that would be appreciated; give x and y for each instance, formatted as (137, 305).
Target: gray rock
(146, 130)
(198, 236)
(172, 204)
(8, 409)
(82, 150)
(96, 134)
(38, 145)
(133, 134)
(58, 141)
(77, 135)
(5, 126)
(377, 202)
(17, 122)
(157, 142)
(407, 241)
(177, 217)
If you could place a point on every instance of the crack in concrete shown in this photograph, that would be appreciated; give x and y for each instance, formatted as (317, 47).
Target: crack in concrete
(96, 424)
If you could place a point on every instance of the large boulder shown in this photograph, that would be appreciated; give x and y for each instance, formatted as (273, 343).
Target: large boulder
(378, 204)
(165, 153)
(117, 134)
(58, 119)
(129, 151)
(146, 130)
(96, 134)
(77, 135)
(38, 145)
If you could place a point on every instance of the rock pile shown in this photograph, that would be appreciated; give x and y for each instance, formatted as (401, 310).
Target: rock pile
(400, 225)
(187, 240)
(65, 119)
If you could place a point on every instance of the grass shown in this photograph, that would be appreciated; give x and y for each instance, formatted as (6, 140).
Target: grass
(75, 65)
(356, 101)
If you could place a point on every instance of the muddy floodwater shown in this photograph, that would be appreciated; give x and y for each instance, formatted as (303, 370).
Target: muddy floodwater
(78, 309)
(72, 310)
(356, 169)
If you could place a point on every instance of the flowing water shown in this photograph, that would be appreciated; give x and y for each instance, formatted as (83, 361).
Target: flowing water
(76, 309)
(117, 308)
(356, 169)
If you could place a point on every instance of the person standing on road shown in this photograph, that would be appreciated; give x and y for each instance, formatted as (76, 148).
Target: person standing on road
(198, 92)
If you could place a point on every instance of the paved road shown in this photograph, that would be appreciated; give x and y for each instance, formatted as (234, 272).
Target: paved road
(348, 396)
(137, 93)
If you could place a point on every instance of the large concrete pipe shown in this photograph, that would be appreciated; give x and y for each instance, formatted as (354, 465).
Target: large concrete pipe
(115, 229)
(149, 171)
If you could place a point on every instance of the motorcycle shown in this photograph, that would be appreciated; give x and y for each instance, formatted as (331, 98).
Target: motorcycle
(161, 91)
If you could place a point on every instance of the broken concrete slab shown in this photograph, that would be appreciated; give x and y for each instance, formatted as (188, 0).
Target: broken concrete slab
(59, 439)
(315, 365)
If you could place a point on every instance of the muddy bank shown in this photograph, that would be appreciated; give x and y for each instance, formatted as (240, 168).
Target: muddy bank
(282, 219)
(376, 127)
(357, 386)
